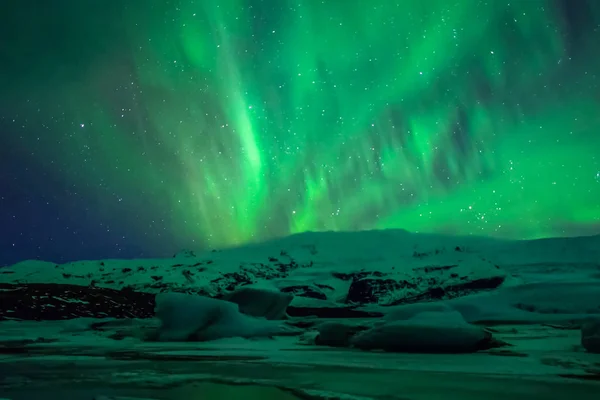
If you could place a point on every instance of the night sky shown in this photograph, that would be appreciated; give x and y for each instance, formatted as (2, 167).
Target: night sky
(137, 128)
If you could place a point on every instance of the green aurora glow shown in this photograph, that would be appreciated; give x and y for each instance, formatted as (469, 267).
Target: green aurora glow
(242, 120)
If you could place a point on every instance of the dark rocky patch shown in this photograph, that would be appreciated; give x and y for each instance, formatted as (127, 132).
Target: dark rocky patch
(452, 291)
(50, 301)
(253, 272)
(435, 268)
(370, 290)
(475, 285)
(183, 289)
(431, 294)
(230, 281)
(324, 286)
(429, 286)
(420, 255)
(312, 292)
(353, 276)
(187, 274)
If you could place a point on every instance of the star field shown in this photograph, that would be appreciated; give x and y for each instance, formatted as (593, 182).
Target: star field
(138, 128)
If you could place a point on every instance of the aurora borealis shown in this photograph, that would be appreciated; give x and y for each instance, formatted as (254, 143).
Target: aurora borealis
(143, 127)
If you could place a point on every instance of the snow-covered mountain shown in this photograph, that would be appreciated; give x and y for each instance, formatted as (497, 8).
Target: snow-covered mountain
(324, 271)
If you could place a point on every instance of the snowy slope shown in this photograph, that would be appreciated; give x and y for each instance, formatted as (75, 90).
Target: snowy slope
(322, 270)
(304, 258)
(318, 252)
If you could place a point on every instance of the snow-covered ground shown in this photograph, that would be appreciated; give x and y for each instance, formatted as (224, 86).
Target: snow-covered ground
(543, 363)
(531, 297)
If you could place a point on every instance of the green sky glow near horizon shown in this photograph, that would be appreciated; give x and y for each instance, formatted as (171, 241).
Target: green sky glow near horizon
(241, 120)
